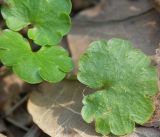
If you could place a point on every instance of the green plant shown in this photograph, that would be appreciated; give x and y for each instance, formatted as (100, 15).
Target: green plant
(47, 21)
(125, 82)
(122, 75)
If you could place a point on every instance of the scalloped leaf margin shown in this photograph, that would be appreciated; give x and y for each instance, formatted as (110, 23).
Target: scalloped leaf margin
(125, 83)
(49, 63)
(49, 19)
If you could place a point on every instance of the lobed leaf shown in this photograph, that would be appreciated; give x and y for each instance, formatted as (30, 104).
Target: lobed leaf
(125, 81)
(50, 63)
(49, 18)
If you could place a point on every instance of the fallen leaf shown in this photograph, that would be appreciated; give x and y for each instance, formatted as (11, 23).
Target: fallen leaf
(145, 132)
(156, 4)
(82, 4)
(155, 120)
(108, 10)
(140, 28)
(1, 135)
(11, 86)
(56, 109)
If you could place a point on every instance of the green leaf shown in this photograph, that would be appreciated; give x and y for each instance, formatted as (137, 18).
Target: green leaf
(49, 18)
(125, 82)
(49, 63)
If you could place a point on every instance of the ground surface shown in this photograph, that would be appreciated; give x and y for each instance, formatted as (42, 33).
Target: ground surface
(58, 113)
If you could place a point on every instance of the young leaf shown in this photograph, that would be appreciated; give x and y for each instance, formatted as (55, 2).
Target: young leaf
(49, 18)
(50, 63)
(125, 82)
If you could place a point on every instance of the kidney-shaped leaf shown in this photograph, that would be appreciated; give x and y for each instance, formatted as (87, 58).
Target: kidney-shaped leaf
(49, 18)
(49, 63)
(125, 82)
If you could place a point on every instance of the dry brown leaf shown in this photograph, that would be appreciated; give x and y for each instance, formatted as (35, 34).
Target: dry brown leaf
(142, 31)
(56, 109)
(156, 4)
(145, 132)
(115, 10)
(155, 120)
(80, 4)
(1, 135)
(11, 86)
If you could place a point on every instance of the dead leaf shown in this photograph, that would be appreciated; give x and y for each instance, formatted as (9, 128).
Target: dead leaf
(129, 19)
(145, 132)
(1, 135)
(155, 120)
(4, 71)
(156, 4)
(11, 86)
(56, 109)
(108, 10)
(142, 31)
(82, 4)
(134, 20)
